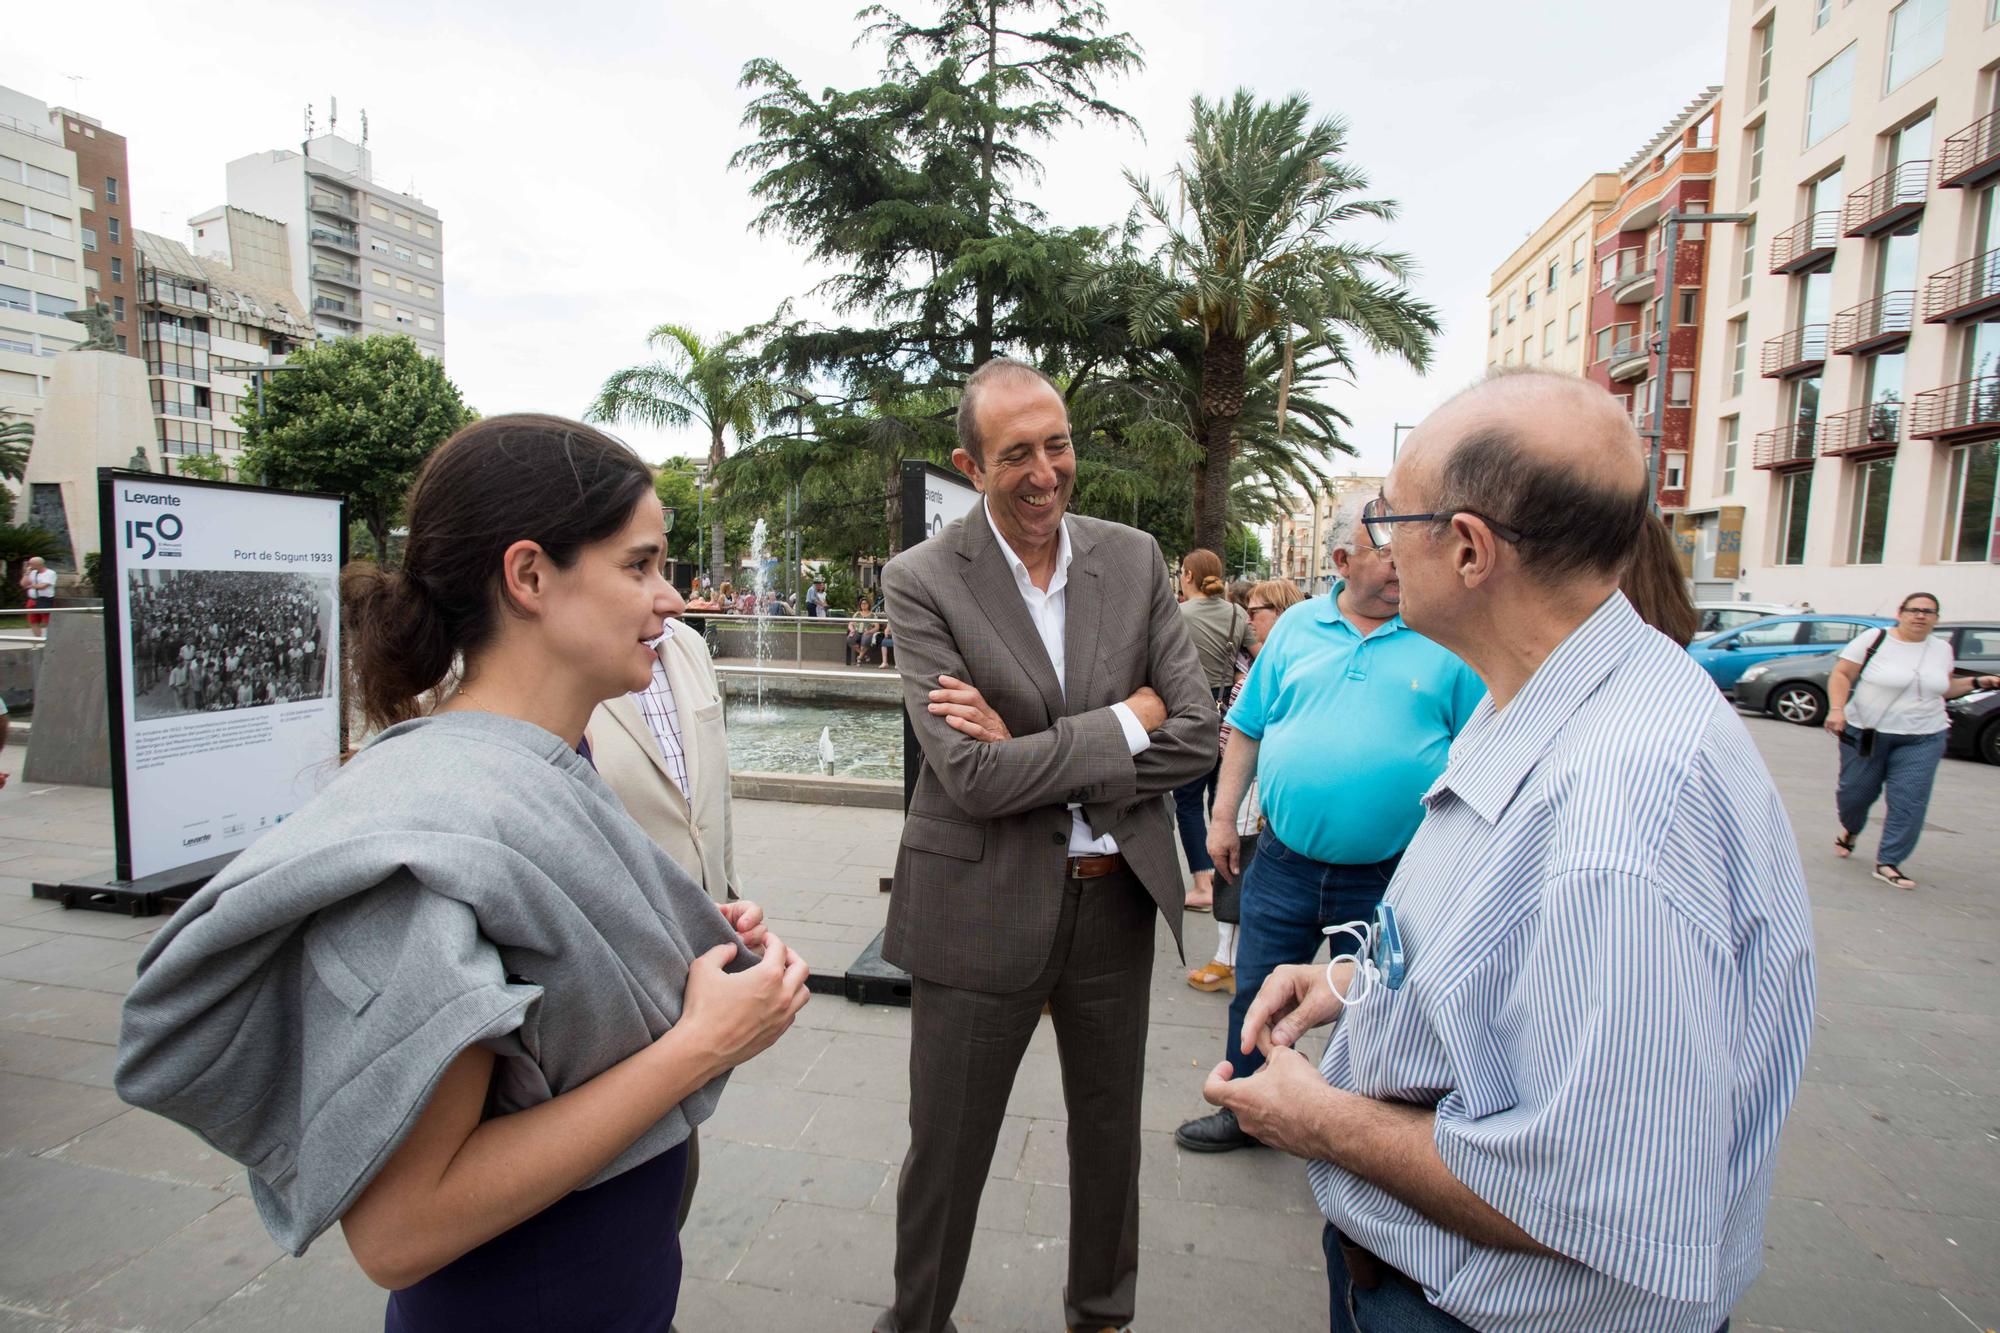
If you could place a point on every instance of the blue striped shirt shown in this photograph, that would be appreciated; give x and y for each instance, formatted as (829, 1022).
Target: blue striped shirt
(1608, 997)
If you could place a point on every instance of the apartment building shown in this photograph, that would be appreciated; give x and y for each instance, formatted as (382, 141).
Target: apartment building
(41, 250)
(207, 330)
(363, 258)
(1645, 339)
(1540, 299)
(1299, 550)
(104, 192)
(1847, 448)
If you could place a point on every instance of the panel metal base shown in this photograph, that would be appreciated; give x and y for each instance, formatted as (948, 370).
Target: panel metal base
(151, 895)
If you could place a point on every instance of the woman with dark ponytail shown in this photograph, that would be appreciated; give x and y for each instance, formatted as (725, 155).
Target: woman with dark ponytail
(460, 1003)
(1221, 633)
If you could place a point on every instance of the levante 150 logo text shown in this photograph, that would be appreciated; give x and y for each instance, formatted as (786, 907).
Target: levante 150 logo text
(154, 537)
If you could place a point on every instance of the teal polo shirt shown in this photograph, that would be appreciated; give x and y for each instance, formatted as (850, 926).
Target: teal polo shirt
(1351, 731)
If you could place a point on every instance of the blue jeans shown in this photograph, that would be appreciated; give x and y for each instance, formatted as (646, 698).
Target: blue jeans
(1287, 900)
(1191, 803)
(1392, 1307)
(1905, 765)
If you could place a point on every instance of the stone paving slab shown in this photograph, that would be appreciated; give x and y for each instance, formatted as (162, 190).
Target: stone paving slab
(1886, 1214)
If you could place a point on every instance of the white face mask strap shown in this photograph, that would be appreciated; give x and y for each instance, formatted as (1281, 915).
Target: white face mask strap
(1361, 982)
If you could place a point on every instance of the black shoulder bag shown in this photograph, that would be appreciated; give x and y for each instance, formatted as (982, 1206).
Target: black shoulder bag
(1863, 738)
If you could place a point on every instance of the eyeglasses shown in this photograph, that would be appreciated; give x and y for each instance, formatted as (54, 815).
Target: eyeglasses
(1376, 518)
(1255, 607)
(1920, 610)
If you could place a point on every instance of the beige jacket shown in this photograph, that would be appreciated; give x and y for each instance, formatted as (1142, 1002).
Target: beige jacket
(695, 830)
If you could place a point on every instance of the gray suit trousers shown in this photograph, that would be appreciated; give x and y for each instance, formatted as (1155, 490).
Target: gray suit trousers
(965, 1047)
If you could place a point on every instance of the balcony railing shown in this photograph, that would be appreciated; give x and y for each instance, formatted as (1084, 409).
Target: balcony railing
(1622, 266)
(1888, 201)
(1629, 358)
(340, 208)
(1876, 428)
(339, 240)
(1795, 351)
(180, 296)
(1963, 290)
(1807, 245)
(334, 305)
(1971, 155)
(1970, 407)
(1874, 325)
(339, 273)
(188, 410)
(1786, 447)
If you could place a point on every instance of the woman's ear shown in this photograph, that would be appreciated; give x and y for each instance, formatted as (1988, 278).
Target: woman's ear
(524, 577)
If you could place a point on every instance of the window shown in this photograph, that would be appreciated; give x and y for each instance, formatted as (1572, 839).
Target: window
(1739, 354)
(1704, 133)
(55, 266)
(1794, 500)
(1555, 268)
(48, 223)
(121, 344)
(426, 323)
(1494, 327)
(1575, 322)
(425, 261)
(1510, 307)
(1680, 388)
(1822, 11)
(1870, 523)
(111, 229)
(1732, 434)
(1764, 38)
(378, 213)
(383, 310)
(58, 306)
(403, 253)
(15, 298)
(1508, 359)
(405, 316)
(403, 221)
(1676, 471)
(1527, 345)
(1576, 245)
(425, 229)
(117, 269)
(15, 256)
(403, 284)
(90, 240)
(428, 292)
(1690, 306)
(377, 245)
(118, 309)
(1769, 636)
(1968, 506)
(1746, 259)
(378, 277)
(1755, 184)
(1530, 303)
(1549, 339)
(1834, 631)
(1829, 96)
(110, 189)
(1916, 39)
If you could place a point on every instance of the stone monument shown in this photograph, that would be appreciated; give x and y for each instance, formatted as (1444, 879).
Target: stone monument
(98, 413)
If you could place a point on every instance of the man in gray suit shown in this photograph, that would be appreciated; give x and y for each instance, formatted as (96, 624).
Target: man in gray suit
(1058, 702)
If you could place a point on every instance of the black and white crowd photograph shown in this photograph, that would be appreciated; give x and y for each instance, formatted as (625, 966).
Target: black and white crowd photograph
(210, 640)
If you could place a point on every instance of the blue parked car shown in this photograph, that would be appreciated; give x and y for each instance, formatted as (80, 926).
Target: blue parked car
(1728, 655)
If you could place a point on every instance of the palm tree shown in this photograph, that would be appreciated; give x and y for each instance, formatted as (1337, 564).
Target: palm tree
(1253, 254)
(16, 438)
(695, 383)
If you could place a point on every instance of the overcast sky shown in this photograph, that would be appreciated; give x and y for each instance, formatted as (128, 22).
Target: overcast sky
(578, 152)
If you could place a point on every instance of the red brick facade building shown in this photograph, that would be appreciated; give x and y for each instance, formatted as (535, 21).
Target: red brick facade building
(107, 222)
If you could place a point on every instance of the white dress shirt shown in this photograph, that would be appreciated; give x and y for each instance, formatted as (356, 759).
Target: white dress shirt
(656, 705)
(1049, 611)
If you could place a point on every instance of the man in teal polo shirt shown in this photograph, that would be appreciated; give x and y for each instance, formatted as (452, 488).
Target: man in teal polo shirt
(1346, 720)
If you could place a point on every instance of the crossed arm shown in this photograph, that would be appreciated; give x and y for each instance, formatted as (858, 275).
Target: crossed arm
(1391, 1145)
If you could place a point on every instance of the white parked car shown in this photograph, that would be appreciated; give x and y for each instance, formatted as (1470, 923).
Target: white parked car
(1719, 616)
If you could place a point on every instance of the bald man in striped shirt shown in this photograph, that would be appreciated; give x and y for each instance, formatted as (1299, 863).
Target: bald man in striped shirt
(1552, 1095)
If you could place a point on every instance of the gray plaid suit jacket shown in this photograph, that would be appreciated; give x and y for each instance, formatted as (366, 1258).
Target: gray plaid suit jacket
(979, 874)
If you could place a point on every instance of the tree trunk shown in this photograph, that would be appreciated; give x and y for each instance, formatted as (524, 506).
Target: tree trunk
(715, 535)
(982, 319)
(1222, 366)
(378, 532)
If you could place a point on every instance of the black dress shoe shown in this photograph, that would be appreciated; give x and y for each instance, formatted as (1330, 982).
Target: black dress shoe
(1214, 1133)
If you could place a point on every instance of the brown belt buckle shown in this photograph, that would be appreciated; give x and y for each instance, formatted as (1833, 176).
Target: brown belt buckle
(1094, 867)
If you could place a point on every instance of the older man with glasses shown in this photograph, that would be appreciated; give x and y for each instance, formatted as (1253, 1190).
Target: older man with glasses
(1344, 720)
(1562, 1055)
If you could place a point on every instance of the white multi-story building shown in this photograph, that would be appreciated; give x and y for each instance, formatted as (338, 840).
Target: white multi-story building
(362, 257)
(1849, 419)
(1540, 298)
(1299, 549)
(41, 250)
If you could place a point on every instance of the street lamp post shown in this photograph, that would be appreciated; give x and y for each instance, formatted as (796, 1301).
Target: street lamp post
(1396, 442)
(1663, 329)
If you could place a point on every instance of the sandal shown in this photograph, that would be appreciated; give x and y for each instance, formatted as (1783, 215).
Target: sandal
(1894, 877)
(1213, 976)
(1843, 846)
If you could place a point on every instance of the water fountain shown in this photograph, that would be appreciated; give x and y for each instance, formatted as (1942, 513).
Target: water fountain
(760, 582)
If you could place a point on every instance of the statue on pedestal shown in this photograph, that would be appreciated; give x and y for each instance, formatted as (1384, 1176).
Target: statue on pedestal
(99, 335)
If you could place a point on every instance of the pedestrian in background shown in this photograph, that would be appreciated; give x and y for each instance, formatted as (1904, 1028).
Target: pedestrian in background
(1266, 602)
(1221, 633)
(38, 582)
(1896, 680)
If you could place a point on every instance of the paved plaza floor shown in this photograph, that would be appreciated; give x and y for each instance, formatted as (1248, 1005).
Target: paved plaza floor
(1887, 1215)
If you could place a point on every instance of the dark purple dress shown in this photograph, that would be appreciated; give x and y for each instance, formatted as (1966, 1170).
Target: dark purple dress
(606, 1259)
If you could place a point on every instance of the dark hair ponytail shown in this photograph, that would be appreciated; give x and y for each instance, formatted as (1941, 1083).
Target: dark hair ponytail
(524, 477)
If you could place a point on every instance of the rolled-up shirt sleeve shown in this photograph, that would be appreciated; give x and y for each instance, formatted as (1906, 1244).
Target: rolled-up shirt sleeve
(1609, 1141)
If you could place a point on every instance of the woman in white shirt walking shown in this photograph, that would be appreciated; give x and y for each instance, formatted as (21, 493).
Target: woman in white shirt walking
(1897, 680)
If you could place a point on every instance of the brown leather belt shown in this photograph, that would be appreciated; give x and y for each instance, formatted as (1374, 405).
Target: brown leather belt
(1095, 867)
(1366, 1270)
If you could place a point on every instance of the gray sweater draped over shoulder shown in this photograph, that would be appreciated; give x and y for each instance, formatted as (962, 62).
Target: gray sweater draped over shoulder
(468, 878)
